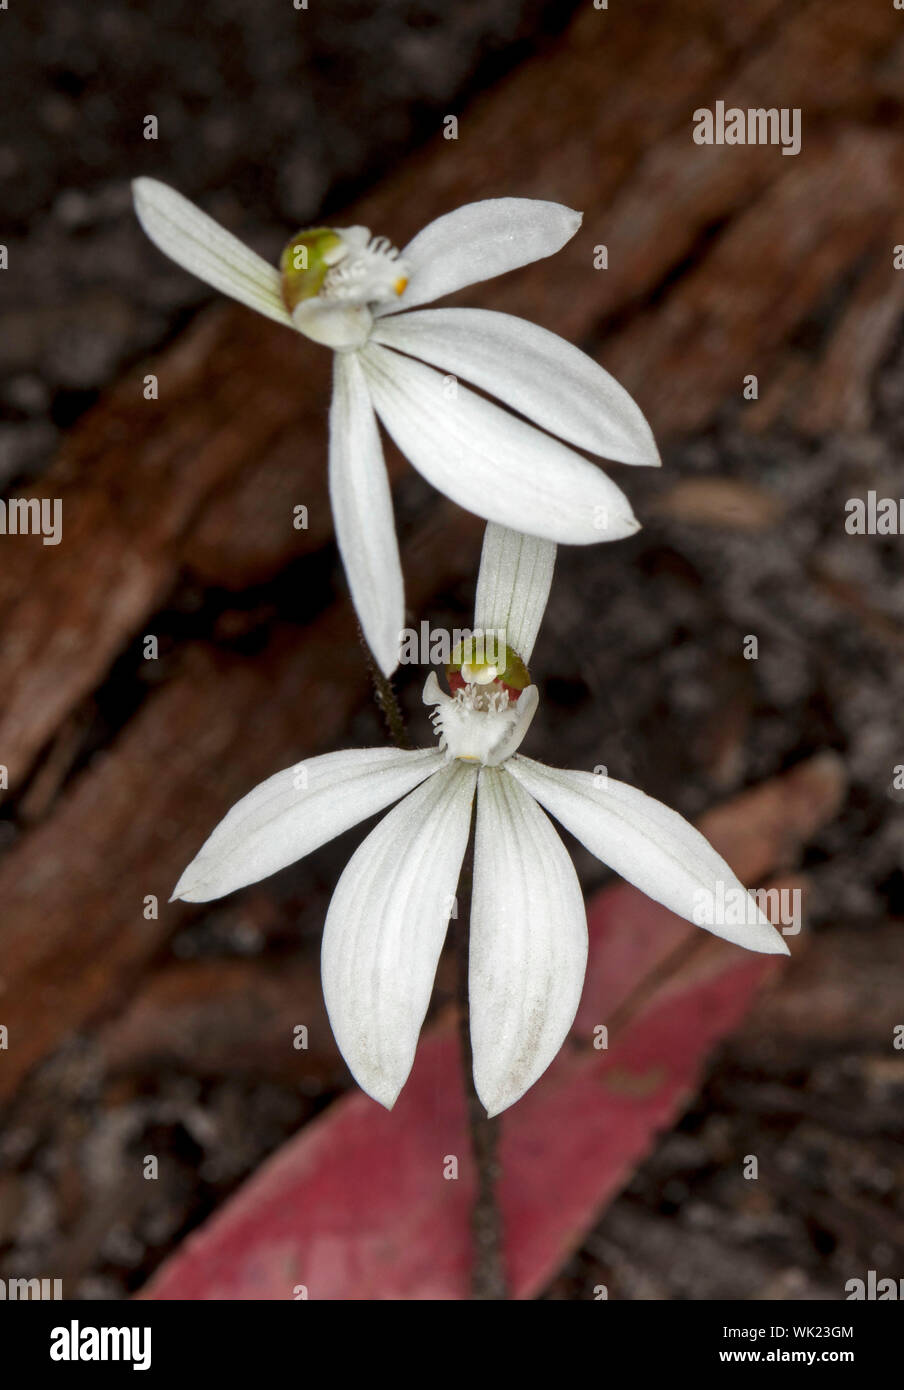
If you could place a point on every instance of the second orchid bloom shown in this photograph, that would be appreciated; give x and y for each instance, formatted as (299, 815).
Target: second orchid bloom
(388, 917)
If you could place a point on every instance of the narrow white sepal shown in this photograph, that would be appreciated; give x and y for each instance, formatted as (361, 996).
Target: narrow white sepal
(362, 512)
(648, 844)
(295, 811)
(490, 462)
(200, 245)
(513, 586)
(531, 370)
(479, 241)
(386, 926)
(528, 951)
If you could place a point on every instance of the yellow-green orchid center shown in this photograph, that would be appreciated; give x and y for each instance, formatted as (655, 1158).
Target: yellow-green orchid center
(340, 265)
(306, 261)
(482, 661)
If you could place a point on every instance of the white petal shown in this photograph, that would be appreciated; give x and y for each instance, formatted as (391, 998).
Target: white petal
(533, 371)
(197, 243)
(297, 810)
(528, 942)
(513, 586)
(478, 241)
(386, 926)
(362, 512)
(650, 845)
(489, 461)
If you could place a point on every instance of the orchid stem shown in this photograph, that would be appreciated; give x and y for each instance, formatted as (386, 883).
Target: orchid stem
(386, 699)
(488, 1280)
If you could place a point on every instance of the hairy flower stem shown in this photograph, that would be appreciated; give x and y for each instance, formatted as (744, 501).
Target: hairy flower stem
(488, 1273)
(385, 697)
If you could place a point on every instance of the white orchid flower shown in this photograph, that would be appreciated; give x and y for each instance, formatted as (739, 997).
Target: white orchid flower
(387, 920)
(344, 289)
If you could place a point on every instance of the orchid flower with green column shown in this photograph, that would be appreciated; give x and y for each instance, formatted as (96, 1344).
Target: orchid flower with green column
(354, 293)
(388, 917)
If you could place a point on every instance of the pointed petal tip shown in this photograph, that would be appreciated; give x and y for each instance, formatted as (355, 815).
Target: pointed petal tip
(494, 1103)
(617, 528)
(767, 940)
(777, 947)
(381, 1089)
(385, 647)
(626, 523)
(389, 665)
(770, 939)
(182, 893)
(196, 889)
(645, 453)
(179, 889)
(387, 1100)
(636, 455)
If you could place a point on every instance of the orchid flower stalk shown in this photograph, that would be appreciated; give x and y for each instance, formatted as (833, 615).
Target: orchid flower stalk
(346, 290)
(388, 917)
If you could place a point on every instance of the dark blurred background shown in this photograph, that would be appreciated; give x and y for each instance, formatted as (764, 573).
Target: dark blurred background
(722, 263)
(270, 115)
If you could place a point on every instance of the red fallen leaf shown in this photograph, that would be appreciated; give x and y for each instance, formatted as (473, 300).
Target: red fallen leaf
(357, 1205)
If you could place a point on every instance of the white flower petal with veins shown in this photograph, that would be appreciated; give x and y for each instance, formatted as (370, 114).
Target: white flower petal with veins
(199, 244)
(528, 950)
(490, 462)
(645, 842)
(513, 586)
(298, 809)
(531, 370)
(385, 929)
(479, 241)
(362, 511)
